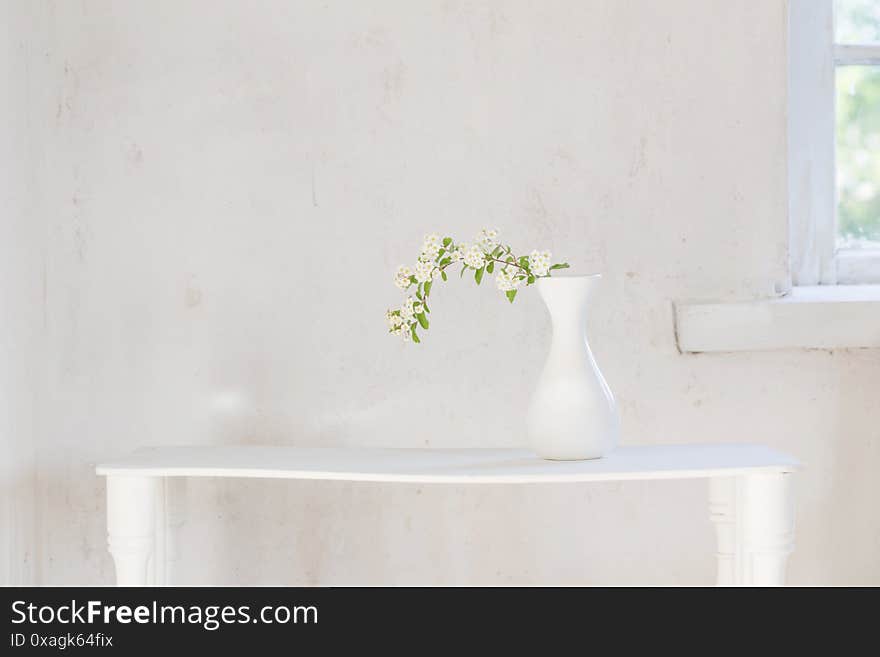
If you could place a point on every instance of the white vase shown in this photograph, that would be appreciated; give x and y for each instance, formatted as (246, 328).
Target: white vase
(572, 415)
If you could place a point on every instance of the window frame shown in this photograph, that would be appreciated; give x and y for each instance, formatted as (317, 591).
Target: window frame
(814, 57)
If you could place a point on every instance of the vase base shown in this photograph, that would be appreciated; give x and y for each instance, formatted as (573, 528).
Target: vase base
(573, 455)
(563, 460)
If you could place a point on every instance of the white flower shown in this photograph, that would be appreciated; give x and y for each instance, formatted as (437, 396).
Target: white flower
(431, 247)
(457, 253)
(407, 311)
(401, 278)
(393, 319)
(424, 271)
(473, 256)
(406, 334)
(487, 240)
(507, 278)
(539, 263)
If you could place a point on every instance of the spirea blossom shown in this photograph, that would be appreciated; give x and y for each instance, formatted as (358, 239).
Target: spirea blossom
(401, 278)
(393, 318)
(407, 311)
(507, 278)
(487, 240)
(424, 271)
(477, 258)
(539, 263)
(431, 247)
(474, 257)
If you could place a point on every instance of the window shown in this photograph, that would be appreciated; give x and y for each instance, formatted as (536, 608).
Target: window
(857, 129)
(834, 141)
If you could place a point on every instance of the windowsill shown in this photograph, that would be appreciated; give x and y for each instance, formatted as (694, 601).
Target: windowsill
(810, 317)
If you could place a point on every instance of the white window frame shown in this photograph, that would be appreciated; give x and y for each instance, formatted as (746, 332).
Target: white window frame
(813, 60)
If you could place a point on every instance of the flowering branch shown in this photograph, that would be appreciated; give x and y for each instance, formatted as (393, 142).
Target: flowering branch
(480, 257)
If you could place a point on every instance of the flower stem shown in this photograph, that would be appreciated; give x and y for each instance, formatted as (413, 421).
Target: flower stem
(503, 262)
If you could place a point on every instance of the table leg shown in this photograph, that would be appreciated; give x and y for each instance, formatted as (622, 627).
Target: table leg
(157, 571)
(132, 505)
(723, 513)
(767, 528)
(175, 513)
(754, 526)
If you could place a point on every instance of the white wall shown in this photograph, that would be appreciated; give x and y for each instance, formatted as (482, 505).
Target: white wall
(22, 246)
(232, 184)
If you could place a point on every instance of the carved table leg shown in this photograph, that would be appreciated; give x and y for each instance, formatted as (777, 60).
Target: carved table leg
(157, 574)
(723, 513)
(754, 525)
(767, 528)
(132, 505)
(175, 510)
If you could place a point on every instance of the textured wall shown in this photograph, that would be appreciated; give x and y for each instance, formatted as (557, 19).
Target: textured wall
(22, 245)
(228, 187)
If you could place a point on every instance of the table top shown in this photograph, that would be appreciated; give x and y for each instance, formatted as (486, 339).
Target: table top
(457, 466)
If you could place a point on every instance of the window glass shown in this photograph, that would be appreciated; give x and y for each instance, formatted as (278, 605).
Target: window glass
(857, 21)
(858, 156)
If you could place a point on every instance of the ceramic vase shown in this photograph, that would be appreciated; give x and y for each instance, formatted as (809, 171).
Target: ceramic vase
(572, 415)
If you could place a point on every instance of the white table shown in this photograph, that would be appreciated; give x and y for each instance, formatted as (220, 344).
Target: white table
(750, 493)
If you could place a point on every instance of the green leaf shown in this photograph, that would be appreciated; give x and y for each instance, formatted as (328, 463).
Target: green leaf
(478, 275)
(428, 288)
(561, 265)
(490, 267)
(414, 336)
(422, 320)
(419, 292)
(524, 262)
(445, 262)
(412, 280)
(444, 276)
(531, 279)
(425, 304)
(511, 295)
(447, 241)
(497, 252)
(440, 253)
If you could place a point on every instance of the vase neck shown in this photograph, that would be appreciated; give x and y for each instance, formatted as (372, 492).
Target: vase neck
(568, 299)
